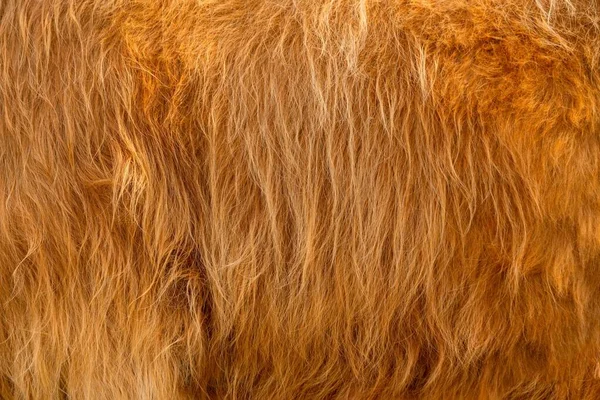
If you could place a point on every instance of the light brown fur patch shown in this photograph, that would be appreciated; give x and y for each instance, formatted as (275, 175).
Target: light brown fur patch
(299, 199)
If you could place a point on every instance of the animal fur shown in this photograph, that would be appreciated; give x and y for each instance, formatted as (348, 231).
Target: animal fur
(299, 199)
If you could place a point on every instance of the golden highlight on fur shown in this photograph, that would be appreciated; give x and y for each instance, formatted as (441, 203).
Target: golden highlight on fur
(300, 199)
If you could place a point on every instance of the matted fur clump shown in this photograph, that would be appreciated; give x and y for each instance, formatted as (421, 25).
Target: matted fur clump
(300, 199)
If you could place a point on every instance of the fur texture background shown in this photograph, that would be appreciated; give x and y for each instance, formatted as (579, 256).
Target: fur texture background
(299, 199)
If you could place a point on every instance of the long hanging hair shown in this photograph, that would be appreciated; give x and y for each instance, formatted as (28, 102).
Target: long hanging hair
(299, 199)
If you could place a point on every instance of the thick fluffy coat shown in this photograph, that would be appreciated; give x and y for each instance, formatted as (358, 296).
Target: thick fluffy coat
(299, 199)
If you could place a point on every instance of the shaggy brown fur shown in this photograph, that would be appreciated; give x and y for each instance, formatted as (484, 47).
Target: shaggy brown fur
(299, 199)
